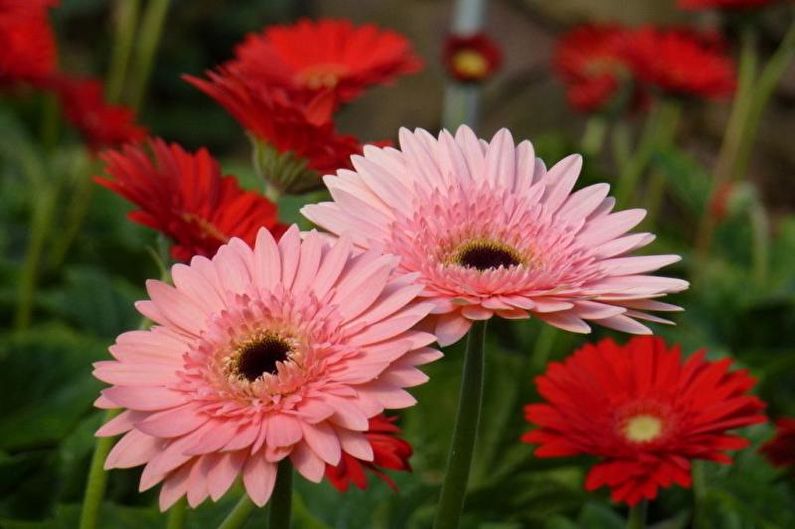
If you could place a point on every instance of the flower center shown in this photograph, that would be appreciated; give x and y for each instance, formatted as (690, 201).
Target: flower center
(470, 63)
(486, 255)
(259, 356)
(643, 428)
(322, 76)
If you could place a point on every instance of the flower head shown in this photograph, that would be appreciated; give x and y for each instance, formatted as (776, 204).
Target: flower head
(184, 196)
(325, 55)
(283, 350)
(643, 411)
(471, 59)
(683, 63)
(303, 131)
(27, 43)
(389, 452)
(100, 123)
(695, 5)
(491, 231)
(780, 450)
(592, 61)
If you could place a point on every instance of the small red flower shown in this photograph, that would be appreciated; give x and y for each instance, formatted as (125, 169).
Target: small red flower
(27, 43)
(184, 196)
(592, 61)
(780, 450)
(471, 59)
(313, 56)
(389, 452)
(275, 117)
(643, 411)
(101, 124)
(683, 63)
(695, 5)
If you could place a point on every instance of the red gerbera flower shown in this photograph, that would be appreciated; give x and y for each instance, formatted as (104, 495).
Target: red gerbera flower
(471, 59)
(593, 64)
(312, 56)
(683, 63)
(184, 196)
(389, 452)
(643, 411)
(27, 44)
(780, 450)
(101, 124)
(293, 128)
(722, 4)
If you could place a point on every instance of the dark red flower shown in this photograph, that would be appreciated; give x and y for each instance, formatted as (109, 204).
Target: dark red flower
(101, 124)
(304, 129)
(27, 43)
(695, 5)
(592, 61)
(780, 450)
(184, 196)
(389, 452)
(643, 411)
(471, 59)
(683, 63)
(313, 56)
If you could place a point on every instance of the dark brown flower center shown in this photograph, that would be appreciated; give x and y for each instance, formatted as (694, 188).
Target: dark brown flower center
(261, 356)
(486, 255)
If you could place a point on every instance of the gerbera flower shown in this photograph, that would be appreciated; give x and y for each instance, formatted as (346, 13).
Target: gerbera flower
(298, 139)
(27, 43)
(471, 59)
(641, 409)
(313, 56)
(389, 452)
(780, 450)
(283, 351)
(100, 123)
(722, 4)
(184, 196)
(490, 231)
(683, 63)
(593, 64)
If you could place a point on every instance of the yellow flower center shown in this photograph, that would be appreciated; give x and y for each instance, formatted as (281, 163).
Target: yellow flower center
(470, 63)
(321, 76)
(643, 428)
(485, 254)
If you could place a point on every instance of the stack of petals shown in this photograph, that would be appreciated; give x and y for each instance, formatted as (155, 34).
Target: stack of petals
(27, 44)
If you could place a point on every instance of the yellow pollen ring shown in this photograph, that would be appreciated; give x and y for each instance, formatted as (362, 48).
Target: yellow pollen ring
(643, 428)
(470, 63)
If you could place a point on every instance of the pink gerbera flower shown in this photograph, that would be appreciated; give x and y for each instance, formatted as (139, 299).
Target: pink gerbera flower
(258, 355)
(491, 231)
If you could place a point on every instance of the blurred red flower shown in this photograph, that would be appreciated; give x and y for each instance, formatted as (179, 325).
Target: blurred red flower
(313, 56)
(27, 43)
(101, 124)
(644, 411)
(722, 4)
(389, 452)
(304, 129)
(682, 63)
(780, 450)
(184, 196)
(471, 59)
(592, 61)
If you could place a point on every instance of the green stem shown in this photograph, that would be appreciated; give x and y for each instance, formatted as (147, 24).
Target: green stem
(239, 514)
(148, 39)
(655, 190)
(76, 213)
(126, 15)
(97, 478)
(282, 499)
(176, 515)
(461, 105)
(700, 520)
(593, 139)
(637, 515)
(50, 121)
(633, 168)
(760, 226)
(543, 346)
(451, 501)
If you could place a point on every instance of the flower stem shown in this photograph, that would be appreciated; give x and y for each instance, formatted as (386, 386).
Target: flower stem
(239, 514)
(126, 15)
(79, 204)
(633, 168)
(593, 138)
(281, 501)
(451, 501)
(148, 37)
(97, 479)
(176, 515)
(699, 496)
(637, 515)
